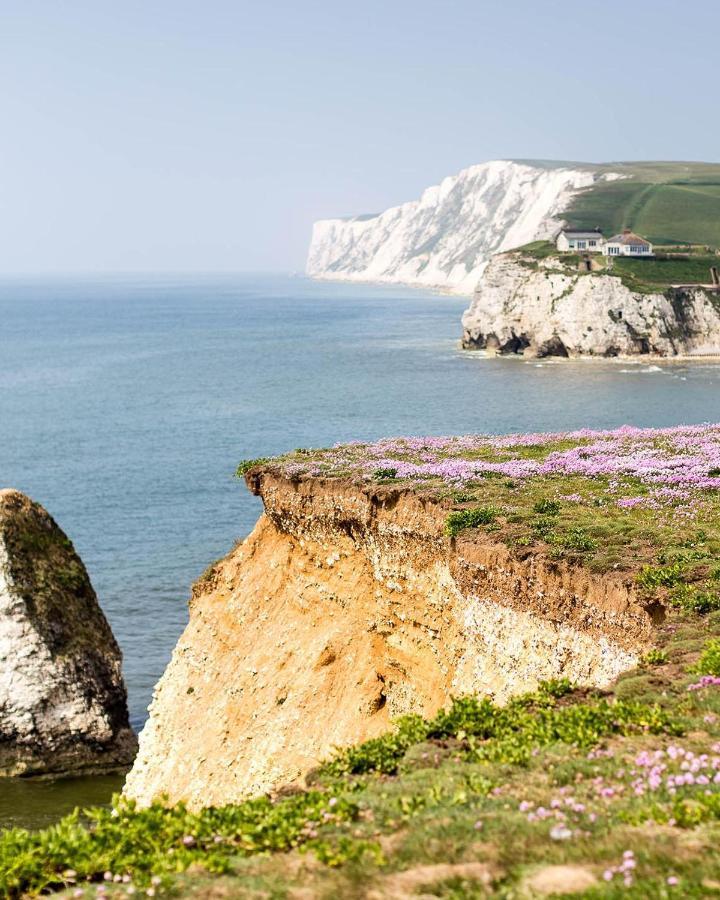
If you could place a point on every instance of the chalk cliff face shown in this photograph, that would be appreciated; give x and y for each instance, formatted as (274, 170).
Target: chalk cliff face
(346, 607)
(541, 308)
(63, 706)
(444, 239)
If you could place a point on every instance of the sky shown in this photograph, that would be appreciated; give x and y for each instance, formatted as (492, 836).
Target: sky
(174, 136)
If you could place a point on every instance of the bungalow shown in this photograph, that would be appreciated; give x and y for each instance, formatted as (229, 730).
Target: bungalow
(627, 244)
(587, 241)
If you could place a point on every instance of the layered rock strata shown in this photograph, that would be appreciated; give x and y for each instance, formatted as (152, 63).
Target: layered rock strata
(346, 607)
(63, 704)
(540, 308)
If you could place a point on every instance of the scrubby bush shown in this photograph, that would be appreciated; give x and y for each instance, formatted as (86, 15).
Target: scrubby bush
(709, 662)
(547, 507)
(461, 519)
(152, 843)
(246, 464)
(506, 734)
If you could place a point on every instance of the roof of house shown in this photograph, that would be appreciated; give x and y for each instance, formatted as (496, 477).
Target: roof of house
(572, 232)
(628, 237)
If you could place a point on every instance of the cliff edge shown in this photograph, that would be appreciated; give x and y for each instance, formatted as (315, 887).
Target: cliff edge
(547, 307)
(63, 705)
(445, 237)
(350, 605)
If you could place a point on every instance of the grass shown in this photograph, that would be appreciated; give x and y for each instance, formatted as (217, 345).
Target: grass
(654, 275)
(556, 777)
(665, 202)
(659, 274)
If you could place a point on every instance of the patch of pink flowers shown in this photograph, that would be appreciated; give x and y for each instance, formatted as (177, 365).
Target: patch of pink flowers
(625, 870)
(669, 465)
(705, 682)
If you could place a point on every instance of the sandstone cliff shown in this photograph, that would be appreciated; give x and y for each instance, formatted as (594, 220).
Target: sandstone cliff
(346, 607)
(544, 308)
(63, 705)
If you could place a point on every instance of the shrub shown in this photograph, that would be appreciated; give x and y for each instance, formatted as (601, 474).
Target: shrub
(547, 507)
(575, 538)
(248, 464)
(385, 474)
(655, 657)
(661, 576)
(709, 662)
(506, 734)
(156, 841)
(692, 599)
(461, 519)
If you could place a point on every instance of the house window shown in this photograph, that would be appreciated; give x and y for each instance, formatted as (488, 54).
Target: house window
(592, 243)
(613, 251)
(581, 245)
(572, 245)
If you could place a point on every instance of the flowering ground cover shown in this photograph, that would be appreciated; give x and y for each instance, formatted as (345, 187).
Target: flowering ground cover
(565, 791)
(623, 499)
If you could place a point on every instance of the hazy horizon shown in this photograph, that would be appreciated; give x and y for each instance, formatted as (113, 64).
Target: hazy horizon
(206, 139)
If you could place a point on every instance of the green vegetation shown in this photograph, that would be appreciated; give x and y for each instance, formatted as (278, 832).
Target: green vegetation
(246, 464)
(384, 474)
(655, 657)
(555, 777)
(469, 518)
(709, 662)
(657, 275)
(665, 202)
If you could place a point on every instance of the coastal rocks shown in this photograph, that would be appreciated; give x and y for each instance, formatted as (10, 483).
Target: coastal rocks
(539, 308)
(347, 607)
(444, 239)
(63, 705)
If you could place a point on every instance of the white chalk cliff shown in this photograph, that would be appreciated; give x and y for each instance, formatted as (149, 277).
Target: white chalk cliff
(546, 308)
(444, 239)
(63, 705)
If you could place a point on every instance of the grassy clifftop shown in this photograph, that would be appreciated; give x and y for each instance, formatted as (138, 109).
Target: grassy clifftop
(665, 202)
(565, 791)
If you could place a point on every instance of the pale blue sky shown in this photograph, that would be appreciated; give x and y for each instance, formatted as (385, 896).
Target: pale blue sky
(170, 135)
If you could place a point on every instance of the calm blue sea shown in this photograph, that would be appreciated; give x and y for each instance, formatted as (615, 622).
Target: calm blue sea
(126, 403)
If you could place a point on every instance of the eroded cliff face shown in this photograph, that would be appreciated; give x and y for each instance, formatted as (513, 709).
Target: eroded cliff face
(346, 607)
(445, 238)
(539, 308)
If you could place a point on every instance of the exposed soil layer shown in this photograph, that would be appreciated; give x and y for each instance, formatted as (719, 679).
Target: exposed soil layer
(348, 606)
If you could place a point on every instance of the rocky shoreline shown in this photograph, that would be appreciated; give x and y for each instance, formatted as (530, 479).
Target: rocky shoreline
(539, 308)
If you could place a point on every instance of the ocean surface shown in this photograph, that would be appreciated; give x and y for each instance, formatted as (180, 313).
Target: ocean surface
(126, 404)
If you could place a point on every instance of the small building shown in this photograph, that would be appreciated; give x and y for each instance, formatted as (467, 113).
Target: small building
(627, 244)
(570, 240)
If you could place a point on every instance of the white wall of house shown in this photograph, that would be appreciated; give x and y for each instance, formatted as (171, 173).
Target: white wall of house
(615, 249)
(567, 243)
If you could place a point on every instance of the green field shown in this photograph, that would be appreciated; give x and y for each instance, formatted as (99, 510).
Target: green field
(659, 274)
(664, 202)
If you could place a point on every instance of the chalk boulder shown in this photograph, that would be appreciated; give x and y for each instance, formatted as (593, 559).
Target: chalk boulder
(63, 703)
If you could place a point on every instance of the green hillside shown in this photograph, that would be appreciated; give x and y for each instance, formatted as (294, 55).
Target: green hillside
(665, 202)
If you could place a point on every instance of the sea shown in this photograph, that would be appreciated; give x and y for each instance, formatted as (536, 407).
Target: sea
(126, 404)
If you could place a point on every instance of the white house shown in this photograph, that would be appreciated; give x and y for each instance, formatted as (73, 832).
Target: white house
(587, 241)
(627, 244)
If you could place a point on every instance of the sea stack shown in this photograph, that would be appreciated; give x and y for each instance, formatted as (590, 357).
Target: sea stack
(63, 703)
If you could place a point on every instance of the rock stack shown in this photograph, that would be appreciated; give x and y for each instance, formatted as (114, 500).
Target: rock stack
(63, 703)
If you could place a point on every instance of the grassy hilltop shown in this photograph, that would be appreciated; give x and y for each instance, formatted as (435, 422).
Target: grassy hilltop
(666, 202)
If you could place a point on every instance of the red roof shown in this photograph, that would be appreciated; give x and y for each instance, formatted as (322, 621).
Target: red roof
(628, 237)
